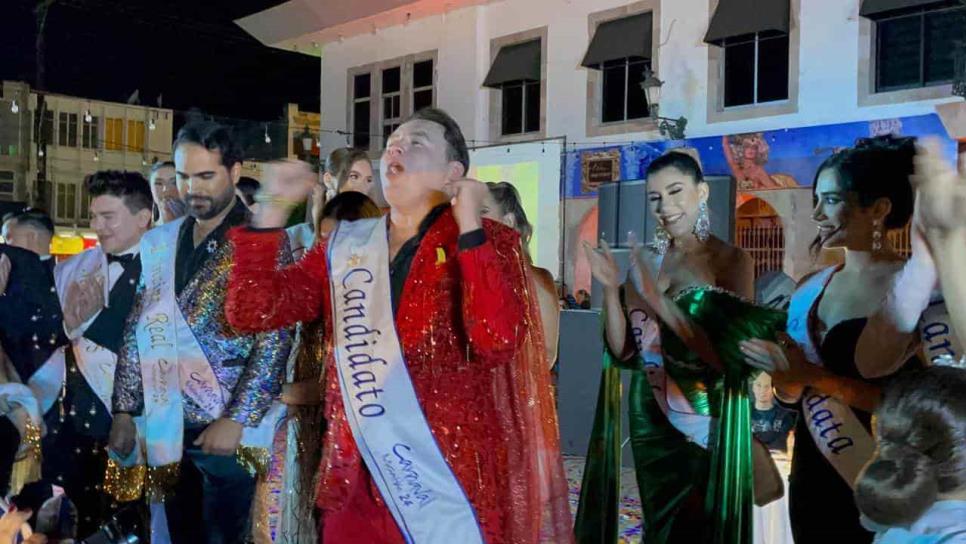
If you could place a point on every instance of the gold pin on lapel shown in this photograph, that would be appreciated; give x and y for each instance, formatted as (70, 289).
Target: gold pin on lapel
(355, 259)
(440, 256)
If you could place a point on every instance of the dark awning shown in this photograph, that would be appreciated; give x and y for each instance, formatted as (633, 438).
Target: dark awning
(520, 61)
(619, 39)
(734, 18)
(875, 8)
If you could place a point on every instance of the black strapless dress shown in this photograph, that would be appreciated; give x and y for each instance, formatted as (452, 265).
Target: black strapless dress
(821, 504)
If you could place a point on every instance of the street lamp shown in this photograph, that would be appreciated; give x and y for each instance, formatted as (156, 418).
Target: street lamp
(307, 140)
(672, 128)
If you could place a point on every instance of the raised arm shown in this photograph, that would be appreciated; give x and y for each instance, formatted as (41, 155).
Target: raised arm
(940, 201)
(263, 297)
(889, 336)
(493, 280)
(604, 269)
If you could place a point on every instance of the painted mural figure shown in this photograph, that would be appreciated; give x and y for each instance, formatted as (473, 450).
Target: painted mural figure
(747, 155)
(689, 411)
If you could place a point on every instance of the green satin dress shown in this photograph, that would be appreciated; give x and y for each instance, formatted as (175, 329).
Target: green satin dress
(688, 493)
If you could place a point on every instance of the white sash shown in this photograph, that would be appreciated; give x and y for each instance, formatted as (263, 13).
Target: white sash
(670, 398)
(938, 339)
(172, 361)
(835, 429)
(387, 422)
(95, 363)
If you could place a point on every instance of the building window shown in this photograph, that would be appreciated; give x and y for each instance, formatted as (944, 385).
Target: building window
(135, 135)
(622, 97)
(85, 203)
(422, 85)
(916, 49)
(46, 129)
(66, 202)
(361, 110)
(521, 107)
(755, 68)
(620, 50)
(89, 134)
(113, 134)
(6, 183)
(67, 130)
(391, 100)
(516, 72)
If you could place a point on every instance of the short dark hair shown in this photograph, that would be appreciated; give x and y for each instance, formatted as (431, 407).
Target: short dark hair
(877, 168)
(161, 164)
(248, 187)
(921, 446)
(213, 137)
(350, 206)
(34, 218)
(131, 187)
(339, 163)
(456, 144)
(680, 161)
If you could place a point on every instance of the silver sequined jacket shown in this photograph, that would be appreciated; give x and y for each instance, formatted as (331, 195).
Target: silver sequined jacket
(252, 366)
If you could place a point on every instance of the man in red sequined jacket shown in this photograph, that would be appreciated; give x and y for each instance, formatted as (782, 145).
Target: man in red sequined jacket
(463, 313)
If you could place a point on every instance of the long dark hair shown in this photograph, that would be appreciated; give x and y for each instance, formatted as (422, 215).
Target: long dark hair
(921, 434)
(872, 169)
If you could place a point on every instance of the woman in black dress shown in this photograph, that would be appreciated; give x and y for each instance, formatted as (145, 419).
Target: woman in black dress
(826, 365)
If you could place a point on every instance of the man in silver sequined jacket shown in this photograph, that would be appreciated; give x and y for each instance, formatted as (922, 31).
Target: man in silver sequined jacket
(210, 493)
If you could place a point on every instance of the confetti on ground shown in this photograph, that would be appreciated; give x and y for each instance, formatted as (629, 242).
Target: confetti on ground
(630, 513)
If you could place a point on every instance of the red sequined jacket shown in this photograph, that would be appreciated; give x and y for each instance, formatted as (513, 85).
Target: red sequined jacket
(461, 313)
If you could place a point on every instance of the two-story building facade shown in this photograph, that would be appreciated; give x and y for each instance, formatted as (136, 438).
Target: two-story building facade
(767, 91)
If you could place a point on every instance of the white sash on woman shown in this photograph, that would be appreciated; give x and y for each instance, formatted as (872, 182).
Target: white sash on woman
(387, 422)
(173, 363)
(672, 401)
(834, 427)
(938, 338)
(95, 363)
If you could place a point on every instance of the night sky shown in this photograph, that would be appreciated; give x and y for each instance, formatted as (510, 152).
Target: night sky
(187, 50)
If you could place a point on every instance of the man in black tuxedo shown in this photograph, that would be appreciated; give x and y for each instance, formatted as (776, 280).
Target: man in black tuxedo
(96, 289)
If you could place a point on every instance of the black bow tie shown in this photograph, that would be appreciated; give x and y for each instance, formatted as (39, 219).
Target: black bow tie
(123, 260)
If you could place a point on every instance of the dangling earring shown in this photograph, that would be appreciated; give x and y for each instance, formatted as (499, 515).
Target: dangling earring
(876, 237)
(662, 239)
(702, 227)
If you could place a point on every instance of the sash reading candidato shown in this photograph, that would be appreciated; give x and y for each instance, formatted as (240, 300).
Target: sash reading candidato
(95, 363)
(835, 429)
(387, 422)
(173, 364)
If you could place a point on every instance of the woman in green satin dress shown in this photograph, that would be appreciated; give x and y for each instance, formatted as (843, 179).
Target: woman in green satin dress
(690, 423)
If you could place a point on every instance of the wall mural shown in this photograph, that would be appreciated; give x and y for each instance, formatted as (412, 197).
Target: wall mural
(769, 160)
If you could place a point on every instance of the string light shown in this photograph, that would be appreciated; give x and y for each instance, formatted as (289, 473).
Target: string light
(268, 139)
(151, 124)
(88, 118)
(14, 107)
(40, 152)
(97, 156)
